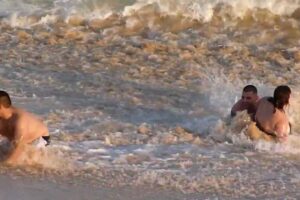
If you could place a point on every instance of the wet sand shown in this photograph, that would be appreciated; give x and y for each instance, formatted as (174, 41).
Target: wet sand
(28, 188)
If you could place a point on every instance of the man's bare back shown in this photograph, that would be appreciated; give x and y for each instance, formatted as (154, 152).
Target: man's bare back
(272, 120)
(19, 127)
(23, 127)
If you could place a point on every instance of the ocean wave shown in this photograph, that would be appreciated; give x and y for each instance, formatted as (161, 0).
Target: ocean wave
(148, 11)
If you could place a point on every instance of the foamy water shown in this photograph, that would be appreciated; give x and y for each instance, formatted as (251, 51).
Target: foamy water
(139, 93)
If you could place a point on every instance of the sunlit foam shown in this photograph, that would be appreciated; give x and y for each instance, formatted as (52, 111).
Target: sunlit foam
(202, 10)
(291, 146)
(223, 91)
(45, 157)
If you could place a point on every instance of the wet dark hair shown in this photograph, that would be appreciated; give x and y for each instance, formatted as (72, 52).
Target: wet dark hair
(250, 88)
(4, 99)
(281, 96)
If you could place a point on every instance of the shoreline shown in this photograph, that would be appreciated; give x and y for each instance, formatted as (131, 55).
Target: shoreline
(32, 188)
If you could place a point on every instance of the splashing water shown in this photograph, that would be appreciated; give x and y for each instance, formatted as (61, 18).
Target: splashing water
(201, 10)
(139, 92)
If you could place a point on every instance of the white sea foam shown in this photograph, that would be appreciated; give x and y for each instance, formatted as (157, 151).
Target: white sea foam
(291, 146)
(202, 10)
(153, 108)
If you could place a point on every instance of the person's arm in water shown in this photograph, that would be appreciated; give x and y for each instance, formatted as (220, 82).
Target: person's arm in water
(18, 145)
(236, 107)
(252, 110)
(3, 133)
(18, 149)
(281, 131)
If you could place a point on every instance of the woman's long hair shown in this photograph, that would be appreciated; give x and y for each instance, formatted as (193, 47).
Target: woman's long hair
(281, 97)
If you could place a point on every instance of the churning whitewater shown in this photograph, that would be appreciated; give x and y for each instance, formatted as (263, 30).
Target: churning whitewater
(139, 92)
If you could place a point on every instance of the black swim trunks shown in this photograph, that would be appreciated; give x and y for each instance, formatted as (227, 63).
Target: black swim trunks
(47, 139)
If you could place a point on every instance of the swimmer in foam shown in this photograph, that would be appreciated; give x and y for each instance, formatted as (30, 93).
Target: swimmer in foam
(271, 121)
(20, 128)
(247, 102)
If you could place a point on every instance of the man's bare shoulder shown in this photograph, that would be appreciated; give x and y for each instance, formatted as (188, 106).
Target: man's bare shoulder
(25, 118)
(263, 99)
(29, 123)
(25, 114)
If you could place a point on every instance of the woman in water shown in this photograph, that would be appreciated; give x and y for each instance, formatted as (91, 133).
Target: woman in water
(271, 118)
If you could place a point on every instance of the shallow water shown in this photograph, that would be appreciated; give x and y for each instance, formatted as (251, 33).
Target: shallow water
(140, 94)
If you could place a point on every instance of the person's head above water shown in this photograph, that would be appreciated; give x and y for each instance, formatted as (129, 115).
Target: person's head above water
(5, 100)
(249, 94)
(281, 96)
(5, 105)
(247, 102)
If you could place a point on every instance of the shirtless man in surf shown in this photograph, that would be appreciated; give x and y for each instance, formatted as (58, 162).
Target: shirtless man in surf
(247, 102)
(19, 127)
(270, 117)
